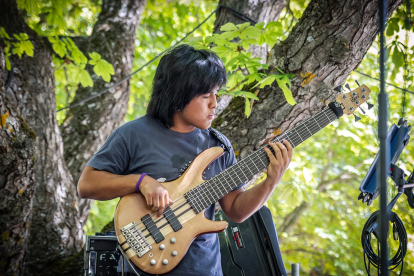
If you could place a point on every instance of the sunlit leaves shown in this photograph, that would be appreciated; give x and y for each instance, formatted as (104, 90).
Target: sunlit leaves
(80, 74)
(18, 44)
(232, 47)
(58, 46)
(31, 6)
(101, 67)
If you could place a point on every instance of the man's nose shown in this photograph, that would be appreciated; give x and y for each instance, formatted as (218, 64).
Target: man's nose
(213, 101)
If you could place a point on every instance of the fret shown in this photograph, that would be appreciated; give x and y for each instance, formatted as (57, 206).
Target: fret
(211, 196)
(308, 130)
(289, 139)
(298, 134)
(326, 116)
(242, 165)
(265, 155)
(254, 163)
(217, 196)
(317, 123)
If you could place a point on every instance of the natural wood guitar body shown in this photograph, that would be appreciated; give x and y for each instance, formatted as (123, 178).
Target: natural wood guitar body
(133, 207)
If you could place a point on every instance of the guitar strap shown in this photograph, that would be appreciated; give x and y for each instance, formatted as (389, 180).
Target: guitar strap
(219, 137)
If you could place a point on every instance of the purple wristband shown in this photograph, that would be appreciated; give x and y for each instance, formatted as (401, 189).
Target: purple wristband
(139, 182)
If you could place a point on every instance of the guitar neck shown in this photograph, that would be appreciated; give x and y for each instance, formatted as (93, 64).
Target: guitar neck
(226, 181)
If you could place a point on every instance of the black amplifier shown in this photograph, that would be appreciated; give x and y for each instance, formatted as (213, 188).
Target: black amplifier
(100, 256)
(251, 248)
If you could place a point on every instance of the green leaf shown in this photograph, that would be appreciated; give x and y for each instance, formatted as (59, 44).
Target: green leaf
(274, 25)
(58, 46)
(228, 27)
(23, 36)
(31, 6)
(243, 26)
(95, 58)
(247, 107)
(266, 81)
(27, 47)
(103, 69)
(250, 95)
(230, 35)
(3, 33)
(85, 79)
(260, 25)
(8, 65)
(398, 58)
(284, 84)
(270, 39)
(251, 32)
(392, 26)
(261, 39)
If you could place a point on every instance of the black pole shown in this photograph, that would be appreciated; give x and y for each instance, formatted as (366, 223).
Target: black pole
(384, 155)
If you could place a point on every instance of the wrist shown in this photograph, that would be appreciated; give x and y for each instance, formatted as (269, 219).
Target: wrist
(140, 183)
(270, 183)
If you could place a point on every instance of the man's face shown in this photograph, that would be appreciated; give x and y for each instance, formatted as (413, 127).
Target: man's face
(199, 112)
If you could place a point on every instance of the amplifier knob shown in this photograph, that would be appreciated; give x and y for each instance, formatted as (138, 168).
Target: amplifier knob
(152, 262)
(173, 240)
(174, 253)
(165, 261)
(162, 246)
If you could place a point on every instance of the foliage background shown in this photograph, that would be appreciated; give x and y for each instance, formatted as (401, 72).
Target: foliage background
(326, 238)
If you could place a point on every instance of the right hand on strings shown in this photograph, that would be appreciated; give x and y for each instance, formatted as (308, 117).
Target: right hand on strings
(155, 194)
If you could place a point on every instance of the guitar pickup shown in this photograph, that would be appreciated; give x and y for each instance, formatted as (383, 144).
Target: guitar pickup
(152, 228)
(172, 219)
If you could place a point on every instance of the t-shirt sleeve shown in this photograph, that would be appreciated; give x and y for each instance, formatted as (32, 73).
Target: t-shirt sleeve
(113, 156)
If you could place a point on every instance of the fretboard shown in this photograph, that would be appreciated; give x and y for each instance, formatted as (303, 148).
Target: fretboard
(226, 181)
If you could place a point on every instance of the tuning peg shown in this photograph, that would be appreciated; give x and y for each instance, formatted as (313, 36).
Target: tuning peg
(400, 121)
(363, 111)
(357, 118)
(361, 196)
(347, 87)
(370, 106)
(357, 83)
(338, 89)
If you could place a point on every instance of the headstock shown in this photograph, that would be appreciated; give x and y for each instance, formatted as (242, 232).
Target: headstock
(350, 101)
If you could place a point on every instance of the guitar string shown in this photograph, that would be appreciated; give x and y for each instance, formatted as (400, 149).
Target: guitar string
(203, 191)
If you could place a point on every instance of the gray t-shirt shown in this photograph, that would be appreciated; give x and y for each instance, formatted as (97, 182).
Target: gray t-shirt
(146, 145)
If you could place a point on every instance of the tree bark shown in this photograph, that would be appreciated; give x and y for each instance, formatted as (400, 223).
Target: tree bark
(17, 185)
(330, 41)
(58, 214)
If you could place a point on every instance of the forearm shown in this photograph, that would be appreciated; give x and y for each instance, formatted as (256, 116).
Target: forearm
(102, 185)
(249, 201)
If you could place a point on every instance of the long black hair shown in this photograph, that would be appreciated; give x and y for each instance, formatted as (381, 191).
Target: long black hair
(183, 74)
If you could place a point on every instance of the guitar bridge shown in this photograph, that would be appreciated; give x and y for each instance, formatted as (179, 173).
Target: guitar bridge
(135, 239)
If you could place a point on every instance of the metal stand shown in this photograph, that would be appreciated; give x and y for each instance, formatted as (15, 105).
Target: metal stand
(384, 154)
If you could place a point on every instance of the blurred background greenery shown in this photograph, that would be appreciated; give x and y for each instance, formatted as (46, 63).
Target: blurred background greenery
(315, 207)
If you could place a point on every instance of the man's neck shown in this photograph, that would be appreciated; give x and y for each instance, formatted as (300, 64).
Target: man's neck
(182, 128)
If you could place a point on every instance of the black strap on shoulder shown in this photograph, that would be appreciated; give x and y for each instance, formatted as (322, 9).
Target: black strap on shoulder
(219, 137)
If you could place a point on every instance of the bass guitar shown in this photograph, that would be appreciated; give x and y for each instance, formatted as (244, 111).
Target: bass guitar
(157, 244)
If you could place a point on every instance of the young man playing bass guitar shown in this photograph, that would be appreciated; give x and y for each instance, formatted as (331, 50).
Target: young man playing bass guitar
(160, 146)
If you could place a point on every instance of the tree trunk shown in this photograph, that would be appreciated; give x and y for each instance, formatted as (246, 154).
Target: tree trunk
(17, 185)
(58, 214)
(330, 41)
